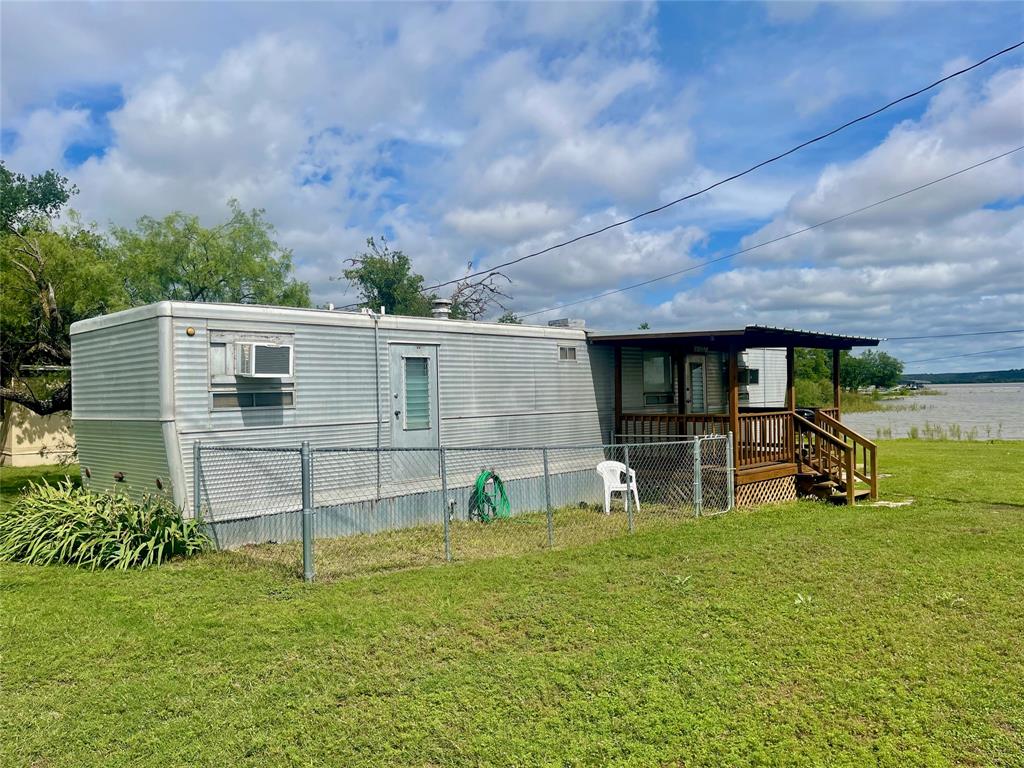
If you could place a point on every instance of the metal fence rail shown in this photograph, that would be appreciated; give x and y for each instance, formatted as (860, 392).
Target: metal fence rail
(362, 510)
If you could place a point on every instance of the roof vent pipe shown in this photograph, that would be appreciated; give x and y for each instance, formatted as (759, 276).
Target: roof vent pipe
(441, 309)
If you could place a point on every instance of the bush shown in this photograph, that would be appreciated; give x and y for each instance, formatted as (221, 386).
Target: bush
(66, 524)
(813, 394)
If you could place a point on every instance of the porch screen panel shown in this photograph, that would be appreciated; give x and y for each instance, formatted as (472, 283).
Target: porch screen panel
(417, 393)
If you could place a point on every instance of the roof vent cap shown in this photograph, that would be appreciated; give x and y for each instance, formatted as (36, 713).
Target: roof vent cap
(441, 309)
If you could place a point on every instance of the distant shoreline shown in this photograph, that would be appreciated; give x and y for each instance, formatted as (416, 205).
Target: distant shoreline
(1011, 376)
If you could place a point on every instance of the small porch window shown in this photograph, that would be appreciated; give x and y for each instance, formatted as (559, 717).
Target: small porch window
(658, 379)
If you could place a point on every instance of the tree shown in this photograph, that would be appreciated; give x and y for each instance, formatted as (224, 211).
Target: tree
(30, 202)
(813, 371)
(644, 326)
(511, 318)
(870, 369)
(384, 278)
(177, 258)
(812, 364)
(51, 278)
(54, 276)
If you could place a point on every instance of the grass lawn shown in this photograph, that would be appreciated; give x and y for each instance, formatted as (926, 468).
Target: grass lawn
(800, 634)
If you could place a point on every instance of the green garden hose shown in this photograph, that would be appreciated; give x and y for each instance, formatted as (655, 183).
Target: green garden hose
(485, 506)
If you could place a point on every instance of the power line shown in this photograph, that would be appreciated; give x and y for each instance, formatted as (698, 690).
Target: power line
(951, 335)
(773, 240)
(735, 176)
(966, 354)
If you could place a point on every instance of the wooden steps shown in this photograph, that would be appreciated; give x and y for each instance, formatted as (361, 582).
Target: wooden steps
(822, 486)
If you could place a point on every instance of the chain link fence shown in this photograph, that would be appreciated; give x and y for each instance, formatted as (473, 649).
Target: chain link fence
(337, 512)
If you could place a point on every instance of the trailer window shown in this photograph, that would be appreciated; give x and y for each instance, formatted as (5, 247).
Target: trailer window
(230, 400)
(748, 376)
(230, 389)
(567, 354)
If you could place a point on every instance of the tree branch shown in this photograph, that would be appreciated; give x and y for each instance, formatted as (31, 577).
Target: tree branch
(59, 400)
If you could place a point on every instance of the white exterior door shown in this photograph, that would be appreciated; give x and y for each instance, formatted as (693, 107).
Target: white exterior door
(414, 411)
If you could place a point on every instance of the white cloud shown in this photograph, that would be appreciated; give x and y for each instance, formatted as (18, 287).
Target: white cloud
(44, 135)
(942, 222)
(483, 132)
(507, 222)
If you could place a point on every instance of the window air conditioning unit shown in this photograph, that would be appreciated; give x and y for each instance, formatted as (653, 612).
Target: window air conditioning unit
(263, 361)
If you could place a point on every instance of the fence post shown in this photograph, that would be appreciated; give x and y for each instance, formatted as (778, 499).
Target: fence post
(698, 485)
(307, 512)
(197, 472)
(730, 473)
(547, 500)
(444, 508)
(629, 489)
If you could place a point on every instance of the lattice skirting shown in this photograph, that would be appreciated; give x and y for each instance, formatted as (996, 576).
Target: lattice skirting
(766, 492)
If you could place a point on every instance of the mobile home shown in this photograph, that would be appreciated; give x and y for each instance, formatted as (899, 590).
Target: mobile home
(150, 382)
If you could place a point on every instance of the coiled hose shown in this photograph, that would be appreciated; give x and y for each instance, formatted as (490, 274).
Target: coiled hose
(485, 506)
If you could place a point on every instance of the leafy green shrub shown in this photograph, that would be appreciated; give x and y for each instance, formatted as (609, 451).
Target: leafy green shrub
(66, 524)
(813, 394)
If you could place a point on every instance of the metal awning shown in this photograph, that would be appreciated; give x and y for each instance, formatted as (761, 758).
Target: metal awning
(751, 336)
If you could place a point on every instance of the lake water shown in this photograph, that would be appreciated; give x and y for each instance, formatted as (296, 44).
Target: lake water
(975, 411)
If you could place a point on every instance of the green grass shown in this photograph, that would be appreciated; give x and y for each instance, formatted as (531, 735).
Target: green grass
(800, 634)
(15, 479)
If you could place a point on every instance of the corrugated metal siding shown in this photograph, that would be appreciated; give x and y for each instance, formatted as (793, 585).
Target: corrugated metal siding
(493, 390)
(115, 372)
(770, 391)
(426, 507)
(135, 448)
(333, 378)
(249, 474)
(506, 390)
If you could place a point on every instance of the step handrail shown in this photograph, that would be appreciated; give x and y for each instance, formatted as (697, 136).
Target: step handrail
(800, 425)
(869, 448)
(845, 430)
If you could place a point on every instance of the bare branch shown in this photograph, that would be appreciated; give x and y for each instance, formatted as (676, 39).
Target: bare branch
(474, 298)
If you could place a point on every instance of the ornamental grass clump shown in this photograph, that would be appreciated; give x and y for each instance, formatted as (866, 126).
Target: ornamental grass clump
(66, 524)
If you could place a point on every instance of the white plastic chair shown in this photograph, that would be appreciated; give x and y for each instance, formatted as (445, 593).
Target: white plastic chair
(613, 472)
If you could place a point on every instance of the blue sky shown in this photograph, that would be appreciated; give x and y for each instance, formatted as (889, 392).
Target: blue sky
(478, 132)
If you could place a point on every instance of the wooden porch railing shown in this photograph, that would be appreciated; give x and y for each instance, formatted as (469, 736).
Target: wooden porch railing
(825, 445)
(672, 424)
(865, 452)
(764, 438)
(825, 453)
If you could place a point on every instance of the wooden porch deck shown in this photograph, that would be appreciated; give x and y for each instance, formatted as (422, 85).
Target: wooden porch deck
(768, 445)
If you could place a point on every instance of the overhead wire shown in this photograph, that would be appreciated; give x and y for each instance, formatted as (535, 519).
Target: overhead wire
(952, 335)
(734, 176)
(786, 236)
(965, 354)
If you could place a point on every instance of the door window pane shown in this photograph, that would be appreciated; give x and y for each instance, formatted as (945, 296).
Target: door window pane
(417, 393)
(696, 370)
